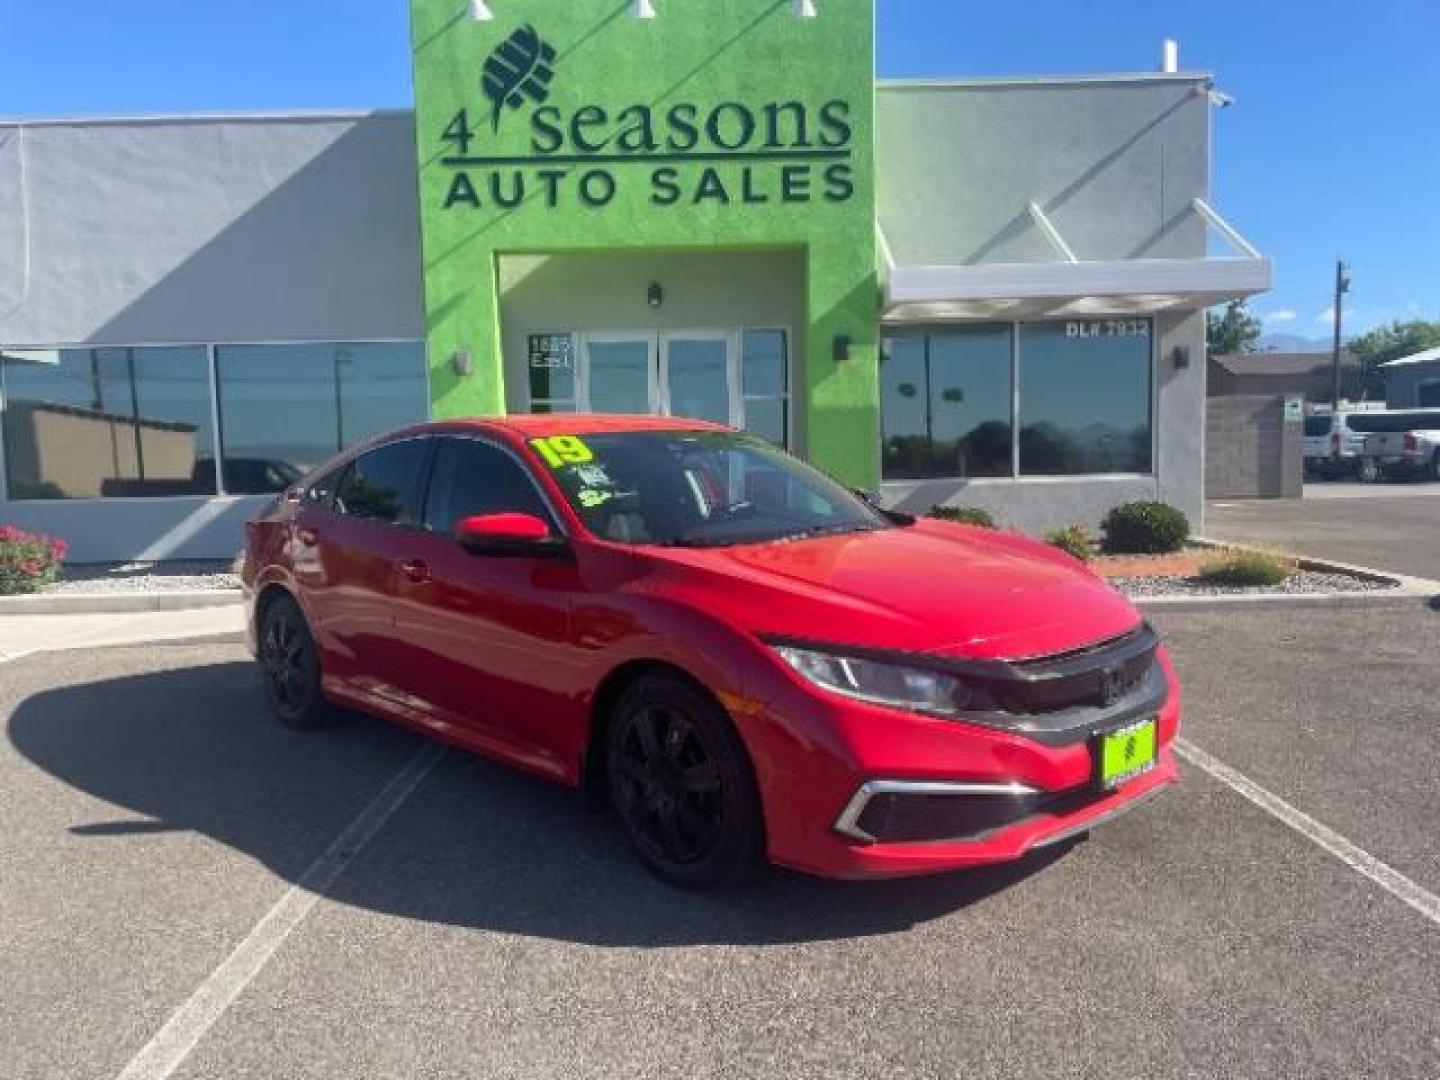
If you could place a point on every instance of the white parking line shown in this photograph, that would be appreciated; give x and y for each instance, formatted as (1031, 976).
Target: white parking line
(1359, 860)
(172, 1044)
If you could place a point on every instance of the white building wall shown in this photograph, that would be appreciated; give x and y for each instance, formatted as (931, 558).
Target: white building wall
(198, 231)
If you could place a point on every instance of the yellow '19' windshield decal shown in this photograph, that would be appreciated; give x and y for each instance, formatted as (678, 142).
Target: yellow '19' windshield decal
(562, 450)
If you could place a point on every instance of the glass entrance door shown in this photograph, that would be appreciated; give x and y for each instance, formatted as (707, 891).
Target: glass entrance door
(620, 373)
(697, 376)
(736, 377)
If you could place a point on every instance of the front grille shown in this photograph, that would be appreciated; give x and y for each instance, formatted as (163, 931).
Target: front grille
(1067, 697)
(1098, 676)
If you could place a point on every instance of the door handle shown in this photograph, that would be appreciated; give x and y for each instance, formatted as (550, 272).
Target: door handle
(308, 537)
(416, 570)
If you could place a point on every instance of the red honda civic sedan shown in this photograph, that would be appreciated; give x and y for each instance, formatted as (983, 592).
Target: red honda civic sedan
(744, 658)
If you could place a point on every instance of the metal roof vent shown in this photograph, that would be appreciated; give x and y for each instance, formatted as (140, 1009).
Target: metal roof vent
(1170, 56)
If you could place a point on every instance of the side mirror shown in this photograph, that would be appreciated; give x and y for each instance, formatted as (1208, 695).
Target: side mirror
(507, 535)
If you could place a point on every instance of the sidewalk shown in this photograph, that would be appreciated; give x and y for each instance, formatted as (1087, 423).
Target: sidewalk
(22, 635)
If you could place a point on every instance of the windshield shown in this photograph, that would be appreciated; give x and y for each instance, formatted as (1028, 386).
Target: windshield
(698, 489)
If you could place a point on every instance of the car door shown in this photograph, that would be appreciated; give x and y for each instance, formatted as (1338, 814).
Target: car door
(348, 546)
(485, 641)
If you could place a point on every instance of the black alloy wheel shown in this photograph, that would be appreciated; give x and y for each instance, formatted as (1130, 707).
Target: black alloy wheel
(681, 781)
(291, 666)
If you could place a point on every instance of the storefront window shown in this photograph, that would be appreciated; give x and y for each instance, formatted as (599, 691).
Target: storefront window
(112, 422)
(1083, 400)
(904, 404)
(1085, 397)
(946, 402)
(286, 408)
(765, 383)
(551, 362)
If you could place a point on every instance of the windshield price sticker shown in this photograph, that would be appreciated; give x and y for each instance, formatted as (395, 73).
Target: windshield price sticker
(562, 450)
(593, 476)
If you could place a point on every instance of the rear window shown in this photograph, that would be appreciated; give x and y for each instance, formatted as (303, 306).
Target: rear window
(1316, 426)
(1374, 423)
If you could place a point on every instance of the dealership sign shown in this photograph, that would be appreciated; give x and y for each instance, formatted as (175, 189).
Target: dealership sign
(679, 154)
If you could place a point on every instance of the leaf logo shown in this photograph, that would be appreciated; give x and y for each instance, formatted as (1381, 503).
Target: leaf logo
(519, 68)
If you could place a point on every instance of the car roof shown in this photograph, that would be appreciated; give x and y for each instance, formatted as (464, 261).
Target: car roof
(537, 425)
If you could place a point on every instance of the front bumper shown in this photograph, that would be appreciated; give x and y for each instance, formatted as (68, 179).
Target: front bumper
(816, 755)
(899, 858)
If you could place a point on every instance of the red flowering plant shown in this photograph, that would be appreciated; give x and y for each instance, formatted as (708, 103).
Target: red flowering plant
(28, 561)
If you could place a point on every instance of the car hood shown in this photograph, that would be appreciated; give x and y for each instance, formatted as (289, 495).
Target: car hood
(929, 587)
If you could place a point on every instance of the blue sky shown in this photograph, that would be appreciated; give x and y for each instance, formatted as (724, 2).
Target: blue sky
(1331, 148)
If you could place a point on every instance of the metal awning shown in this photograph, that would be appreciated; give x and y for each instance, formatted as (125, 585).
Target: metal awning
(1068, 286)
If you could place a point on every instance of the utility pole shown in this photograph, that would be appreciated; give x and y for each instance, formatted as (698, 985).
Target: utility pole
(1342, 286)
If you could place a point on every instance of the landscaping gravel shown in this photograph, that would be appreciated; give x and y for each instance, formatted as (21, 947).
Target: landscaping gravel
(177, 576)
(1301, 582)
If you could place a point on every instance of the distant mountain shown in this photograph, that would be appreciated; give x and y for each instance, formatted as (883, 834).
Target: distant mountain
(1292, 343)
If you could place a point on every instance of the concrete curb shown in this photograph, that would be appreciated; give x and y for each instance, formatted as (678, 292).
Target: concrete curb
(219, 637)
(1408, 592)
(1390, 598)
(79, 603)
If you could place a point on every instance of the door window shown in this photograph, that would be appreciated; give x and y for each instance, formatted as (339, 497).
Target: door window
(384, 484)
(697, 377)
(474, 477)
(620, 375)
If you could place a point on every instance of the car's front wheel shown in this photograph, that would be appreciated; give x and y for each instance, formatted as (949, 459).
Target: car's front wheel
(291, 665)
(680, 779)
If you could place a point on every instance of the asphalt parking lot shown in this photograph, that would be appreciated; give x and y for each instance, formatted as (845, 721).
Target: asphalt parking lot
(157, 819)
(1391, 526)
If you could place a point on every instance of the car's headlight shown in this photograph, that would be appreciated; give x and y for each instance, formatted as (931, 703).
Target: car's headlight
(896, 685)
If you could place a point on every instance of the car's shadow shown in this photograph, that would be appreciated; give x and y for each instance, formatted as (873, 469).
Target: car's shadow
(195, 748)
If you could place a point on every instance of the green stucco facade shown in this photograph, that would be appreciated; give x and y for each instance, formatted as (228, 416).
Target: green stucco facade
(566, 126)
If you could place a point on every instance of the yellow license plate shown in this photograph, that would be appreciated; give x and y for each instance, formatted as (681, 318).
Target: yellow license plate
(1128, 753)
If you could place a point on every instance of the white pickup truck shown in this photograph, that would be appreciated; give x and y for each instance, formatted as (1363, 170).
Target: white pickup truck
(1408, 445)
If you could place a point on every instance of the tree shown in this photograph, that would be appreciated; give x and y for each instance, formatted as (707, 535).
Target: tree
(1386, 343)
(1236, 331)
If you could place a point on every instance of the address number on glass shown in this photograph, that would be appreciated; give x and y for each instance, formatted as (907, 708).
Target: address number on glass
(1107, 328)
(551, 352)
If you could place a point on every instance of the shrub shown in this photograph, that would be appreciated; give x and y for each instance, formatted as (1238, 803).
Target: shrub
(1244, 569)
(35, 489)
(1144, 528)
(28, 561)
(1073, 540)
(964, 515)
